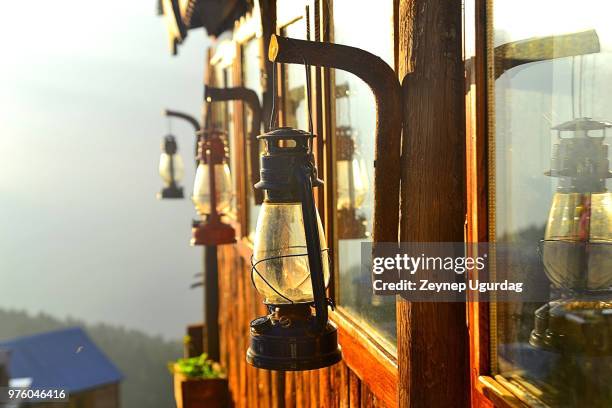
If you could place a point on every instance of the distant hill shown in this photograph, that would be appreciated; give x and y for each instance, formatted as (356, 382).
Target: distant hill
(141, 358)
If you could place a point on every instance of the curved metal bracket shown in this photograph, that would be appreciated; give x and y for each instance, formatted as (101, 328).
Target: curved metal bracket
(193, 121)
(383, 82)
(250, 98)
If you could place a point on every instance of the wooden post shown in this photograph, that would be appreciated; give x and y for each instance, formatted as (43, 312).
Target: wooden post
(211, 302)
(432, 337)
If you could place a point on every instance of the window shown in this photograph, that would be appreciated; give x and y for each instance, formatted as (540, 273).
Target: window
(251, 78)
(551, 175)
(223, 118)
(354, 167)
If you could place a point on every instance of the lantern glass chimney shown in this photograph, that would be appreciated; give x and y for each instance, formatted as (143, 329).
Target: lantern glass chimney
(280, 255)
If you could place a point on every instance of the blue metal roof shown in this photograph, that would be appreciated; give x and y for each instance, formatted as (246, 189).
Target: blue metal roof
(65, 358)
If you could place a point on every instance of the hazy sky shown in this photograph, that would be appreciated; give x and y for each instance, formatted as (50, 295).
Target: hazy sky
(82, 84)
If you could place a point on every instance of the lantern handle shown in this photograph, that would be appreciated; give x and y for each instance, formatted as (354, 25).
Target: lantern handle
(193, 121)
(250, 98)
(304, 175)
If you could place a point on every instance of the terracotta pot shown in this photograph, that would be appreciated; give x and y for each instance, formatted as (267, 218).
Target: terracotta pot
(200, 393)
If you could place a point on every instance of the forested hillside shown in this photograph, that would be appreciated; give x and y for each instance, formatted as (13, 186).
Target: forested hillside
(141, 358)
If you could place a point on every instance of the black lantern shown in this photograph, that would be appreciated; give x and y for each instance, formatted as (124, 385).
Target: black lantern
(171, 169)
(290, 261)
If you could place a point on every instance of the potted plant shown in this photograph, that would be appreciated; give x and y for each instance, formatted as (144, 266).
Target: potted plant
(199, 382)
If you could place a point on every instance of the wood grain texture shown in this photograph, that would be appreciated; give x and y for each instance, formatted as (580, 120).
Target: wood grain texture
(432, 337)
(325, 397)
(477, 188)
(354, 391)
(343, 385)
(369, 362)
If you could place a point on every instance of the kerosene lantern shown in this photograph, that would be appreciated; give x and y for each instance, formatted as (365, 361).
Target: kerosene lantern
(290, 261)
(212, 190)
(351, 178)
(577, 246)
(352, 187)
(171, 169)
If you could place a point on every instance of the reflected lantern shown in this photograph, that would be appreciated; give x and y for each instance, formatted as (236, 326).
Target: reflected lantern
(290, 261)
(171, 169)
(352, 178)
(577, 246)
(352, 186)
(351, 175)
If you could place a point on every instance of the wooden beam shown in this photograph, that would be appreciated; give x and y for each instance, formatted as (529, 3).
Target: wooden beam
(432, 337)
(211, 300)
(268, 27)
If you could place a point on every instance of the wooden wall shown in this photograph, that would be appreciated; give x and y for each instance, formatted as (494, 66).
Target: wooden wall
(240, 303)
(432, 338)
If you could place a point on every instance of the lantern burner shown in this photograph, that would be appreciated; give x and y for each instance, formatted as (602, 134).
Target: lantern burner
(290, 339)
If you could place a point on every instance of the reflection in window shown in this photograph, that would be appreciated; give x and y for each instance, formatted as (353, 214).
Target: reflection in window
(354, 143)
(222, 118)
(251, 78)
(554, 68)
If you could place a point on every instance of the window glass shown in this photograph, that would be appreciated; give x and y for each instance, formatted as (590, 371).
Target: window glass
(553, 74)
(223, 119)
(251, 78)
(355, 123)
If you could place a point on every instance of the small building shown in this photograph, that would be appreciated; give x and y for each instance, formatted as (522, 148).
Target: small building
(65, 359)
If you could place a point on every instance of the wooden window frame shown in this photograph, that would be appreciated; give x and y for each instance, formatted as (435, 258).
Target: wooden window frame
(487, 389)
(223, 54)
(244, 216)
(365, 352)
(248, 28)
